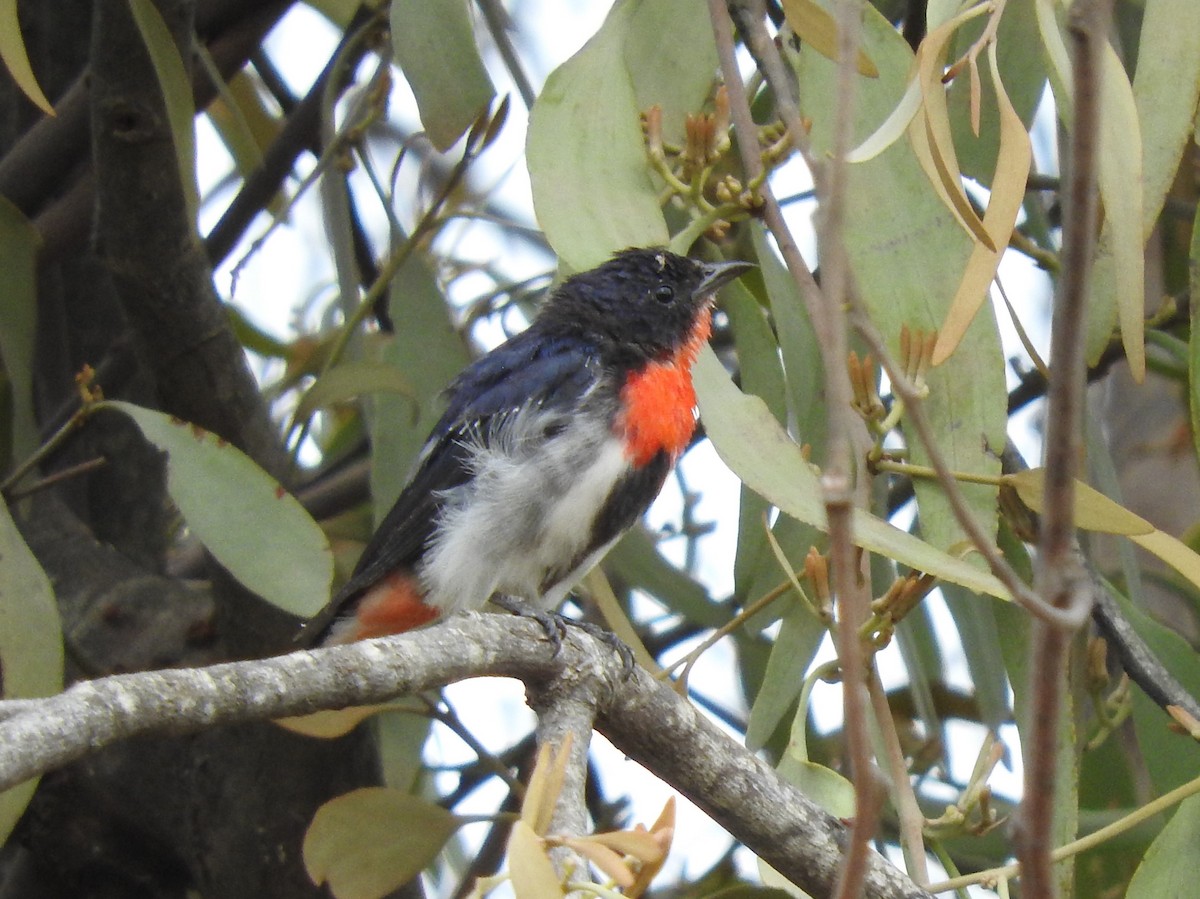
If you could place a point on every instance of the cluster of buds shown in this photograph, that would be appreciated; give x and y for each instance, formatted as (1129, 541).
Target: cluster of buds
(85, 382)
(973, 813)
(1111, 708)
(692, 173)
(887, 610)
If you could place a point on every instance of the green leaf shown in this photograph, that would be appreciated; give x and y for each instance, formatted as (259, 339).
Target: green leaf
(800, 634)
(761, 375)
(754, 446)
(368, 842)
(176, 87)
(1023, 72)
(639, 563)
(1166, 88)
(251, 525)
(428, 352)
(798, 345)
(975, 621)
(824, 786)
(15, 59)
(351, 379)
(587, 159)
(433, 41)
(31, 643)
(19, 242)
(1166, 870)
(908, 253)
(676, 75)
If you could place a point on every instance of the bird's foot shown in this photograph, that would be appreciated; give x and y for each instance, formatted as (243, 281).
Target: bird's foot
(552, 623)
(555, 626)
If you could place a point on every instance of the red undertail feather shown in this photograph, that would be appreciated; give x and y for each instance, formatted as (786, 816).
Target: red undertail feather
(394, 605)
(659, 401)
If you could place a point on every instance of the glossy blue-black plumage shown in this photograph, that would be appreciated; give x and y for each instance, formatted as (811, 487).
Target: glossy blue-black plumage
(529, 370)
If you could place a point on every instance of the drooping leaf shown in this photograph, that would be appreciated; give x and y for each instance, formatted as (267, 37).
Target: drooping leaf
(251, 525)
(15, 59)
(1022, 68)
(176, 87)
(31, 643)
(800, 634)
(587, 159)
(754, 446)
(1166, 89)
(19, 242)
(1008, 194)
(370, 841)
(329, 724)
(433, 42)
(638, 560)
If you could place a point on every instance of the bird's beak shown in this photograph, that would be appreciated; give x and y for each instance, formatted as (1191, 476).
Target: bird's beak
(718, 274)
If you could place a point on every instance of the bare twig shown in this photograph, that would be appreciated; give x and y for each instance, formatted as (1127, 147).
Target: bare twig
(1061, 579)
(825, 307)
(643, 718)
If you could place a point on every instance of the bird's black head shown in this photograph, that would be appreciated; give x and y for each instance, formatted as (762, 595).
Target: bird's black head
(642, 304)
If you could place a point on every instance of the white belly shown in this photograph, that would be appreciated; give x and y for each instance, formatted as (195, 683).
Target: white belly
(525, 517)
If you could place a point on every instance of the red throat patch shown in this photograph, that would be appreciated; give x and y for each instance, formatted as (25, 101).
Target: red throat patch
(395, 605)
(659, 402)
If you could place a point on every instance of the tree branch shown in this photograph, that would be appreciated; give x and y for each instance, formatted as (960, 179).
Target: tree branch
(643, 718)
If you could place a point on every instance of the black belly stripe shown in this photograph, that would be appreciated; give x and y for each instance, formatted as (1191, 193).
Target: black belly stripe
(629, 500)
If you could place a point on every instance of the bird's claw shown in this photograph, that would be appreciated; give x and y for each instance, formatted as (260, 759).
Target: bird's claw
(555, 626)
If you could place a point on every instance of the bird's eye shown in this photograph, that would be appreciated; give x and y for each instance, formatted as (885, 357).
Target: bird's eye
(664, 294)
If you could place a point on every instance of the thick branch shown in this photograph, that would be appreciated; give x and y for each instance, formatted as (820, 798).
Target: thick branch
(641, 716)
(199, 366)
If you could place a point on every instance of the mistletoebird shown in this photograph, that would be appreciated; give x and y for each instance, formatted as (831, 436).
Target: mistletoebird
(552, 446)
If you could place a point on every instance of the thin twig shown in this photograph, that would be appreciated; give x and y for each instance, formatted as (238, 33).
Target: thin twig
(911, 818)
(825, 311)
(1060, 577)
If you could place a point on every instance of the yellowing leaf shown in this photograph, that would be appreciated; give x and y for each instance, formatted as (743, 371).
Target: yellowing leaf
(545, 785)
(529, 867)
(1172, 551)
(1008, 193)
(368, 842)
(611, 863)
(1093, 510)
(819, 30)
(330, 723)
(930, 131)
(15, 59)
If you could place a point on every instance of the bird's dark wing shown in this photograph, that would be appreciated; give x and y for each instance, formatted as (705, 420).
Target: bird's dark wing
(528, 370)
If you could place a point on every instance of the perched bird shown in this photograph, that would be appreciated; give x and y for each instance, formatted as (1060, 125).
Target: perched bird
(552, 446)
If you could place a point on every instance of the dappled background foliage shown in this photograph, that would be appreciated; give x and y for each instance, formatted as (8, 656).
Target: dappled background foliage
(256, 241)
